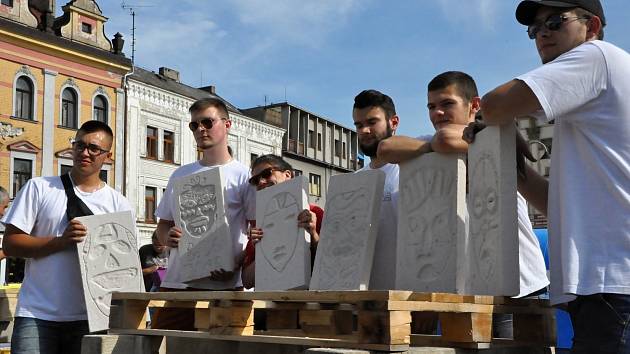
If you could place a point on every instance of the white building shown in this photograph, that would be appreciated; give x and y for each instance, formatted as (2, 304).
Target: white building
(158, 141)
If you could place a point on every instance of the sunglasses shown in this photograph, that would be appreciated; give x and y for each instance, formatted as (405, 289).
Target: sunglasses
(93, 149)
(207, 123)
(552, 23)
(266, 173)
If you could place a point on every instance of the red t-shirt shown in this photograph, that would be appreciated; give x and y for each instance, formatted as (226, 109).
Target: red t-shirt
(250, 249)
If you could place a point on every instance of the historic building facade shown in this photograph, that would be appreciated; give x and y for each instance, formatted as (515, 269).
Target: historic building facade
(315, 146)
(158, 139)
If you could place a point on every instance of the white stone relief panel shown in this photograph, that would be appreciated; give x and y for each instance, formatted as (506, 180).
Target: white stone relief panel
(108, 259)
(493, 226)
(431, 223)
(283, 258)
(206, 244)
(346, 247)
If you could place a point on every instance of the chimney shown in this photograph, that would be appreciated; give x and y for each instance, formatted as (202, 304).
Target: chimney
(118, 43)
(212, 89)
(169, 73)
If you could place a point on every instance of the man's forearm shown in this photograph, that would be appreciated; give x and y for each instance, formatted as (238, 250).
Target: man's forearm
(535, 189)
(397, 149)
(508, 101)
(163, 228)
(18, 244)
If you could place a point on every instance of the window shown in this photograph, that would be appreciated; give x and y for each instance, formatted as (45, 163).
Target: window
(169, 146)
(252, 158)
(319, 141)
(314, 185)
(343, 152)
(149, 204)
(297, 172)
(24, 93)
(86, 27)
(22, 172)
(64, 169)
(69, 108)
(547, 143)
(311, 139)
(7, 3)
(100, 109)
(337, 148)
(103, 175)
(152, 140)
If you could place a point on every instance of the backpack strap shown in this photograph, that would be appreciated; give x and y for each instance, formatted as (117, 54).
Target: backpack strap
(75, 207)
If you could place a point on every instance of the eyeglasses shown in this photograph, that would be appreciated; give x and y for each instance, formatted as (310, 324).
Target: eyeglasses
(266, 173)
(552, 23)
(207, 123)
(93, 149)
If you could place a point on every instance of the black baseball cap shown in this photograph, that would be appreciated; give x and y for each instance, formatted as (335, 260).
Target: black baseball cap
(526, 10)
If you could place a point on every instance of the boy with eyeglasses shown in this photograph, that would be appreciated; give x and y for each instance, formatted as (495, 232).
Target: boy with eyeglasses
(209, 124)
(583, 87)
(50, 315)
(267, 171)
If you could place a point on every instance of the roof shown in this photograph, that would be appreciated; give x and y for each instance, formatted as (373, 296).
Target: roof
(50, 38)
(157, 80)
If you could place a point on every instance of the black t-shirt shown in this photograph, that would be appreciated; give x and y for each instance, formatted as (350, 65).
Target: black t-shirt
(149, 258)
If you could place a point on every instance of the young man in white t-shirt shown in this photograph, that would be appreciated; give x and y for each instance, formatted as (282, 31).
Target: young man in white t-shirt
(375, 119)
(50, 314)
(583, 87)
(210, 123)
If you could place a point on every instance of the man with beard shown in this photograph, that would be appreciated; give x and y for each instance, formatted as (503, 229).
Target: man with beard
(51, 316)
(375, 119)
(210, 123)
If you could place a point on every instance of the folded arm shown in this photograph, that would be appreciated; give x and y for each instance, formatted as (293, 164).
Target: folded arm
(18, 243)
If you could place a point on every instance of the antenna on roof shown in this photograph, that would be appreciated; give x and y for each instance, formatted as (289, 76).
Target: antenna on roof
(132, 12)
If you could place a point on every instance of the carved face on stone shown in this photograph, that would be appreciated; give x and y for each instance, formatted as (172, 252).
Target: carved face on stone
(198, 205)
(429, 226)
(280, 219)
(347, 225)
(110, 254)
(485, 212)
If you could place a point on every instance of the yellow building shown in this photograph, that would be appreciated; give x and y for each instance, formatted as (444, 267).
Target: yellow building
(55, 74)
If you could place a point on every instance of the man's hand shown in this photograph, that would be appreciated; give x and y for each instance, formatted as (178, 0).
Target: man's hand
(471, 131)
(74, 233)
(255, 234)
(174, 234)
(307, 220)
(221, 275)
(522, 152)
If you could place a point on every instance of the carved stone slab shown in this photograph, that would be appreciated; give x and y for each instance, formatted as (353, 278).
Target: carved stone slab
(349, 229)
(283, 256)
(206, 243)
(493, 228)
(431, 223)
(108, 259)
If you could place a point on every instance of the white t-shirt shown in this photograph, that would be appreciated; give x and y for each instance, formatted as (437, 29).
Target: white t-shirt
(383, 275)
(240, 205)
(587, 92)
(533, 274)
(52, 288)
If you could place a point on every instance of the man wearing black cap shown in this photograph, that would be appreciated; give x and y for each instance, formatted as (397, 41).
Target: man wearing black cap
(584, 87)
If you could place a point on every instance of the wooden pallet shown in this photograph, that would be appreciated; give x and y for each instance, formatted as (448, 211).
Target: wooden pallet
(8, 302)
(372, 320)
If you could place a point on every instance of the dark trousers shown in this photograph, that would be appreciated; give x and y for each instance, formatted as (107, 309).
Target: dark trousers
(35, 336)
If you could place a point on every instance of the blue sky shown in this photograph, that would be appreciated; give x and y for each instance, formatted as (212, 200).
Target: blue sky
(323, 52)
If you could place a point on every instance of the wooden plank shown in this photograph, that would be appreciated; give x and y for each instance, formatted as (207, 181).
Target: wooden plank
(466, 327)
(324, 322)
(128, 314)
(281, 319)
(314, 342)
(424, 322)
(384, 327)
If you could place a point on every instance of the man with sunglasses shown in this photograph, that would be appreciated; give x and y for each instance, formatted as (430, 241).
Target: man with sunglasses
(210, 123)
(267, 171)
(51, 315)
(583, 87)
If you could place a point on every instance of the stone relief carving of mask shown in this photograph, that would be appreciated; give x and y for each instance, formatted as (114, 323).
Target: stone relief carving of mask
(280, 219)
(110, 267)
(485, 211)
(198, 205)
(429, 224)
(348, 225)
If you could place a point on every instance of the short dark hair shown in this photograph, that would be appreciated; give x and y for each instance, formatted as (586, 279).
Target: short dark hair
(92, 126)
(373, 98)
(275, 161)
(463, 82)
(204, 103)
(580, 12)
